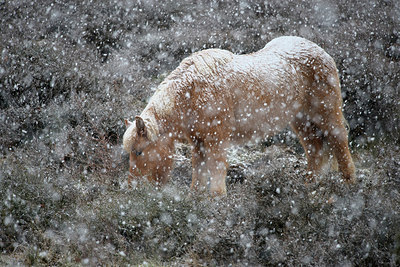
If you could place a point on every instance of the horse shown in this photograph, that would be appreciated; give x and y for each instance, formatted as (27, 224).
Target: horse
(215, 99)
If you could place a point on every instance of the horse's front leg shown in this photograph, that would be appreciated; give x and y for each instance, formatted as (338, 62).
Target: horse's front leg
(209, 165)
(199, 168)
(217, 166)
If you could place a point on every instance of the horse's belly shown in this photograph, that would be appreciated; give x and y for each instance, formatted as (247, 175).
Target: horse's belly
(261, 122)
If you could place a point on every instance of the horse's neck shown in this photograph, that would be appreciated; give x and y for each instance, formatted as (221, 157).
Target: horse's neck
(156, 122)
(165, 107)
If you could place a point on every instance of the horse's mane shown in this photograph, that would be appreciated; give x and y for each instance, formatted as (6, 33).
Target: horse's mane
(200, 65)
(207, 62)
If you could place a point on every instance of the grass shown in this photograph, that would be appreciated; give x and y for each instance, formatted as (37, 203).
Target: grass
(269, 217)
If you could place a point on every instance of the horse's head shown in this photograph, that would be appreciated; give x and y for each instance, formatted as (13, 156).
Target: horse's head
(149, 154)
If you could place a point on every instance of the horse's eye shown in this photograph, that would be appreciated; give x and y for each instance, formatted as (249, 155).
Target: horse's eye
(138, 153)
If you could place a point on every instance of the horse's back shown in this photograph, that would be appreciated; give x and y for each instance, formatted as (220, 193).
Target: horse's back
(274, 83)
(292, 46)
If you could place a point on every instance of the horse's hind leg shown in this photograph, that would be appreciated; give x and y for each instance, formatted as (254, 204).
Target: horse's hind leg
(327, 109)
(338, 141)
(330, 120)
(312, 141)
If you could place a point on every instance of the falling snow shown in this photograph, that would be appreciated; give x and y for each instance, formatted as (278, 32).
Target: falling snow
(71, 72)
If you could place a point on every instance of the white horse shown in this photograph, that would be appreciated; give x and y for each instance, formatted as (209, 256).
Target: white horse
(215, 99)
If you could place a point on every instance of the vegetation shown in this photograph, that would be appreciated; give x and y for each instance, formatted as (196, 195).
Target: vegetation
(71, 72)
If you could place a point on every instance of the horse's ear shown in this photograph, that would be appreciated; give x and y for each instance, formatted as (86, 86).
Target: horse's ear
(140, 126)
(127, 123)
